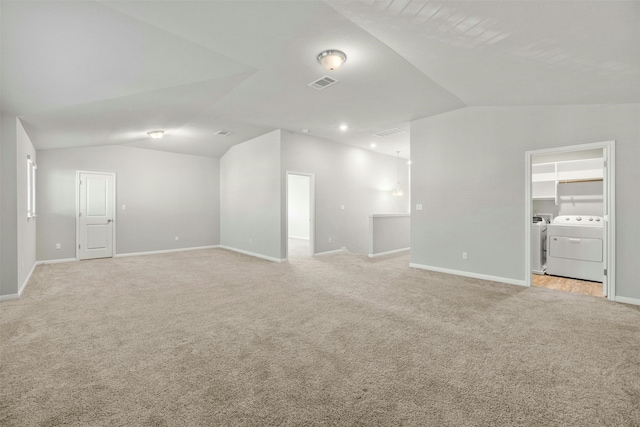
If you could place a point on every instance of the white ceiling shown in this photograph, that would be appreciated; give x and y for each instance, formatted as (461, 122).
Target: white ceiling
(95, 73)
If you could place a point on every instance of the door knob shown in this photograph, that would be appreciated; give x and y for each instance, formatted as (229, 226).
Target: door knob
(109, 220)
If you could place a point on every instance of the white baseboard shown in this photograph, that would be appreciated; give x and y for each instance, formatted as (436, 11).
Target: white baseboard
(165, 251)
(470, 274)
(299, 238)
(627, 300)
(330, 252)
(55, 261)
(9, 297)
(268, 258)
(395, 251)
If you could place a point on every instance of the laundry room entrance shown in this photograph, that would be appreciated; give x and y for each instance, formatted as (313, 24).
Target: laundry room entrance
(570, 220)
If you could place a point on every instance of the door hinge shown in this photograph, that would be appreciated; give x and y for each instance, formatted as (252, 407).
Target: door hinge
(78, 246)
(79, 213)
(605, 271)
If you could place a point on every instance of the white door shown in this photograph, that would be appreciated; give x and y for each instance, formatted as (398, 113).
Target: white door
(95, 215)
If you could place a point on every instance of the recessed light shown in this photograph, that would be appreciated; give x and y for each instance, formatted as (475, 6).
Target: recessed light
(155, 134)
(409, 162)
(305, 130)
(372, 145)
(344, 127)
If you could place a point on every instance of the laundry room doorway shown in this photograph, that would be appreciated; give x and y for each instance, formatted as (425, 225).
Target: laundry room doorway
(570, 218)
(300, 207)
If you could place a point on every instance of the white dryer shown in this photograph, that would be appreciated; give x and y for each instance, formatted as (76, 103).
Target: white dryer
(575, 247)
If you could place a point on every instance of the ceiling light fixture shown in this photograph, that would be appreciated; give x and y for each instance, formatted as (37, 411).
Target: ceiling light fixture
(409, 162)
(155, 134)
(398, 191)
(344, 127)
(332, 59)
(372, 145)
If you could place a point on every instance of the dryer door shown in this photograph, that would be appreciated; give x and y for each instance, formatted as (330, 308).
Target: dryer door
(577, 248)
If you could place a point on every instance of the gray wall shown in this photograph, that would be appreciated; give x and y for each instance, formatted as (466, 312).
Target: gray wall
(250, 197)
(166, 195)
(8, 208)
(26, 243)
(389, 233)
(361, 180)
(471, 183)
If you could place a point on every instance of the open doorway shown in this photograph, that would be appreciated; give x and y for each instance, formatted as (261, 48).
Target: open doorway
(300, 215)
(570, 199)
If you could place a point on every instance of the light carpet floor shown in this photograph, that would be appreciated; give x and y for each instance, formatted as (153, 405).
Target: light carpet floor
(212, 337)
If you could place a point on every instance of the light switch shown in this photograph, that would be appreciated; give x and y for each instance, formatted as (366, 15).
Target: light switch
(342, 207)
(418, 206)
(124, 207)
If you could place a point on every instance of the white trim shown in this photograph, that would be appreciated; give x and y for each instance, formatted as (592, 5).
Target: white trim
(115, 210)
(395, 251)
(165, 251)
(387, 215)
(627, 300)
(469, 274)
(268, 258)
(299, 238)
(331, 252)
(24, 284)
(609, 154)
(56, 261)
(9, 297)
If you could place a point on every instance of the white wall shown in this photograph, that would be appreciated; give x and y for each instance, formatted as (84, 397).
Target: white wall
(470, 178)
(26, 244)
(251, 197)
(298, 206)
(17, 234)
(574, 198)
(361, 180)
(166, 195)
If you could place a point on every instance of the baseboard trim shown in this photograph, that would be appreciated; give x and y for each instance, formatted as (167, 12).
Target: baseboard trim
(343, 249)
(299, 238)
(627, 300)
(469, 274)
(253, 254)
(9, 297)
(395, 251)
(56, 261)
(165, 251)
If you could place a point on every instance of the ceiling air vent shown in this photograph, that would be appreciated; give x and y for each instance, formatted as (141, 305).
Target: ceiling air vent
(323, 83)
(223, 133)
(388, 132)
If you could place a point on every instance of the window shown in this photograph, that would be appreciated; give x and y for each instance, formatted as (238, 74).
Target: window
(31, 188)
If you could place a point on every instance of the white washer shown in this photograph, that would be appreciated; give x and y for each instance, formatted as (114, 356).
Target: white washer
(538, 245)
(575, 247)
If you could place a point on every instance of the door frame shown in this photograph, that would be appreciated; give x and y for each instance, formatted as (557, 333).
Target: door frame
(312, 212)
(115, 209)
(609, 207)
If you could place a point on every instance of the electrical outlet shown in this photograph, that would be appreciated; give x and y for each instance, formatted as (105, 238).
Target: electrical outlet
(418, 206)
(250, 240)
(177, 238)
(464, 255)
(341, 207)
(58, 246)
(329, 239)
(124, 207)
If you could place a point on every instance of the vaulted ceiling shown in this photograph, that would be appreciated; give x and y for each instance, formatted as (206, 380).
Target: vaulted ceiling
(83, 73)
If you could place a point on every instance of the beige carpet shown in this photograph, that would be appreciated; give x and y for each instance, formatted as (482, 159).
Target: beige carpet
(212, 337)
